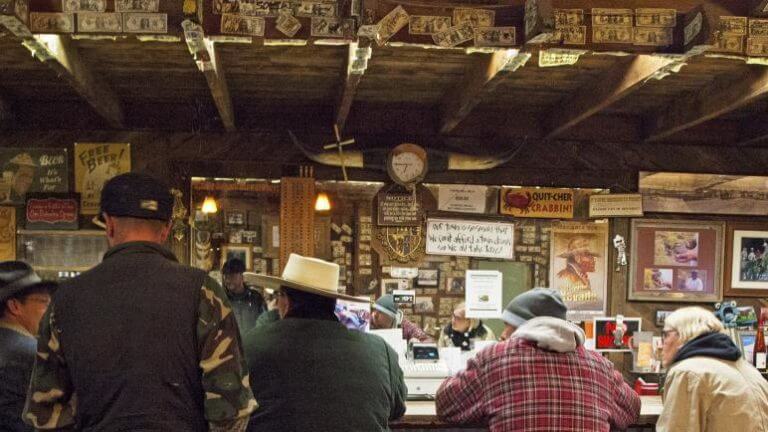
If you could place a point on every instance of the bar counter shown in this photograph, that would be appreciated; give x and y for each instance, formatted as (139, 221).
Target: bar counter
(420, 415)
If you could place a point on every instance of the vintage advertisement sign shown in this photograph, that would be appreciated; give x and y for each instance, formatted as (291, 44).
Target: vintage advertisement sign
(28, 170)
(7, 233)
(95, 163)
(537, 202)
(615, 205)
(482, 239)
(52, 211)
(462, 198)
(578, 267)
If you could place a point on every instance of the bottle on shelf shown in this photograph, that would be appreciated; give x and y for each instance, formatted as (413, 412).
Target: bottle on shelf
(760, 348)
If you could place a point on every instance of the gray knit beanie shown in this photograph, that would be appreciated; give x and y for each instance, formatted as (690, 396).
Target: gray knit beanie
(386, 304)
(534, 303)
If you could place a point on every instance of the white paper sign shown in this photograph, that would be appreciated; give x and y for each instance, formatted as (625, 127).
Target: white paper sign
(470, 238)
(404, 272)
(483, 294)
(462, 198)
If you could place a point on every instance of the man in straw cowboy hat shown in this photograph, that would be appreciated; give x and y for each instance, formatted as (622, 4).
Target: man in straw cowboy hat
(573, 280)
(309, 372)
(139, 342)
(23, 301)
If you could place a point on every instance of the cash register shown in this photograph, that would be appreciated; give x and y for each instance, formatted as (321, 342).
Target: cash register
(423, 370)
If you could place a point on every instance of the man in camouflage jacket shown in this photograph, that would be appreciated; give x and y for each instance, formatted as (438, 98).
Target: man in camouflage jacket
(139, 342)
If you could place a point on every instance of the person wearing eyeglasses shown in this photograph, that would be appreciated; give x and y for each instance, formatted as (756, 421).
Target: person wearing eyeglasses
(24, 297)
(462, 332)
(709, 386)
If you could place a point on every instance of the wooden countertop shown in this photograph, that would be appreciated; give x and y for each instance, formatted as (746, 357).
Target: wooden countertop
(421, 414)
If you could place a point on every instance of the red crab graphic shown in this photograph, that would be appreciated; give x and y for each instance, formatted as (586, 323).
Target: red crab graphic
(517, 200)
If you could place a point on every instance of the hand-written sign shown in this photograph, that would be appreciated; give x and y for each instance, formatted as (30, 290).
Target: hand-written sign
(95, 163)
(470, 238)
(537, 202)
(612, 205)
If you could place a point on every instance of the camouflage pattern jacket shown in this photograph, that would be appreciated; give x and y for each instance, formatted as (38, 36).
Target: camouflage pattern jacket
(140, 342)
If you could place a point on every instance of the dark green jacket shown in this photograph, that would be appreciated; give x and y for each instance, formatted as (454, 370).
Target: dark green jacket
(313, 375)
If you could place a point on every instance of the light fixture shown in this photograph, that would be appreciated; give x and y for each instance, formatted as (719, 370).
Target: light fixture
(322, 203)
(209, 205)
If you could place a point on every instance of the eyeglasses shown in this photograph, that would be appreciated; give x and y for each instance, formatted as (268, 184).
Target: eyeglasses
(666, 333)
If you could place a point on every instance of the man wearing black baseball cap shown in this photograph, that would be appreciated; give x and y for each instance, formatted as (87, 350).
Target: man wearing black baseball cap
(23, 300)
(139, 342)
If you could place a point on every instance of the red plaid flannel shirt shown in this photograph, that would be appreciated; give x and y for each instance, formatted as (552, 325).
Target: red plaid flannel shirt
(519, 387)
(412, 331)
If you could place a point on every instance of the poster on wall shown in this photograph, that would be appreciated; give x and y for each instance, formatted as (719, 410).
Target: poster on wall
(95, 163)
(31, 170)
(7, 233)
(579, 267)
(537, 202)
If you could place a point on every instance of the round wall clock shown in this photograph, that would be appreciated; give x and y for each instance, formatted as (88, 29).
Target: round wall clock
(407, 164)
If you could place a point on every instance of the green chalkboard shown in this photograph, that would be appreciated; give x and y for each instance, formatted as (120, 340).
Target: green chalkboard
(516, 279)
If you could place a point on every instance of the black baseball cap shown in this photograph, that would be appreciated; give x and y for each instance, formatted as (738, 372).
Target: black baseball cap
(137, 195)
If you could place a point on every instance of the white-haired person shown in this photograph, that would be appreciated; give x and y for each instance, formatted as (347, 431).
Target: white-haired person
(709, 387)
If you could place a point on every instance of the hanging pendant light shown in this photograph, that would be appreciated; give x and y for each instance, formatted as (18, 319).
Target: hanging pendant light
(322, 203)
(209, 205)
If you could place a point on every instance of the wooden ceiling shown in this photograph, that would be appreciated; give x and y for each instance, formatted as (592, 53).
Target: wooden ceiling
(126, 83)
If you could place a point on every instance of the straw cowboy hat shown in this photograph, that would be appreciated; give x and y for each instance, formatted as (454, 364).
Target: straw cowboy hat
(310, 275)
(578, 246)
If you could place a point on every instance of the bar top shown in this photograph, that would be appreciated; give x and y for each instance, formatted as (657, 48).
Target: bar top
(422, 413)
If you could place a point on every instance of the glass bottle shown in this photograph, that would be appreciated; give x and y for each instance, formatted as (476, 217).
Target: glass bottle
(760, 349)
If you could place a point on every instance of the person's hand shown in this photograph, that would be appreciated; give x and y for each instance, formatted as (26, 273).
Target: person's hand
(686, 257)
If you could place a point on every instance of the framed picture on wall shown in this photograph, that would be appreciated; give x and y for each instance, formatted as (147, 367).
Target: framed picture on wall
(676, 260)
(428, 277)
(746, 260)
(241, 251)
(235, 217)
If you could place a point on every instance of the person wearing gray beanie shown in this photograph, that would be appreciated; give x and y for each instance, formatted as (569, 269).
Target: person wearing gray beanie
(540, 367)
(538, 302)
(386, 315)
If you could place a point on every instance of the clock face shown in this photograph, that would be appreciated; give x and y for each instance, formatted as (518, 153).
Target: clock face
(407, 167)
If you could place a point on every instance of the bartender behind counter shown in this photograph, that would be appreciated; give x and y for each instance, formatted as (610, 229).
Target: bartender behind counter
(386, 315)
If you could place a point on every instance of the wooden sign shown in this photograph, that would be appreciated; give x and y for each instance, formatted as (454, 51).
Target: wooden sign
(615, 205)
(470, 238)
(28, 170)
(95, 163)
(52, 211)
(537, 202)
(401, 244)
(7, 233)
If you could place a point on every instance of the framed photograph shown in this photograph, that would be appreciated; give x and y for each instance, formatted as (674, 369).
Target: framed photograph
(661, 316)
(579, 267)
(669, 192)
(423, 305)
(388, 286)
(235, 217)
(241, 251)
(455, 285)
(746, 260)
(428, 277)
(609, 337)
(676, 260)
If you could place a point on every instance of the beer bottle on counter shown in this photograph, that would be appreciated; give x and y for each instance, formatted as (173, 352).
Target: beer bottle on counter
(760, 350)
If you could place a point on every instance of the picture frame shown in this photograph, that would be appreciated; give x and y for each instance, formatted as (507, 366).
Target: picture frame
(745, 252)
(676, 260)
(661, 316)
(389, 285)
(238, 250)
(605, 339)
(428, 278)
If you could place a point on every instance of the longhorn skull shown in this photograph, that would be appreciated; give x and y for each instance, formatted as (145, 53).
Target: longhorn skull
(438, 160)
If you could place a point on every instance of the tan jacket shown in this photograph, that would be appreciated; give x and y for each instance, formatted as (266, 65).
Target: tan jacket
(704, 394)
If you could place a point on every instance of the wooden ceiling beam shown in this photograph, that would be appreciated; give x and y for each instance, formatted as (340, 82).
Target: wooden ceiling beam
(60, 54)
(209, 62)
(483, 76)
(616, 83)
(724, 95)
(357, 63)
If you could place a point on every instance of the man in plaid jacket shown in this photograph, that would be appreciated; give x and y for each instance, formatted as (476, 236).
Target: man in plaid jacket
(541, 379)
